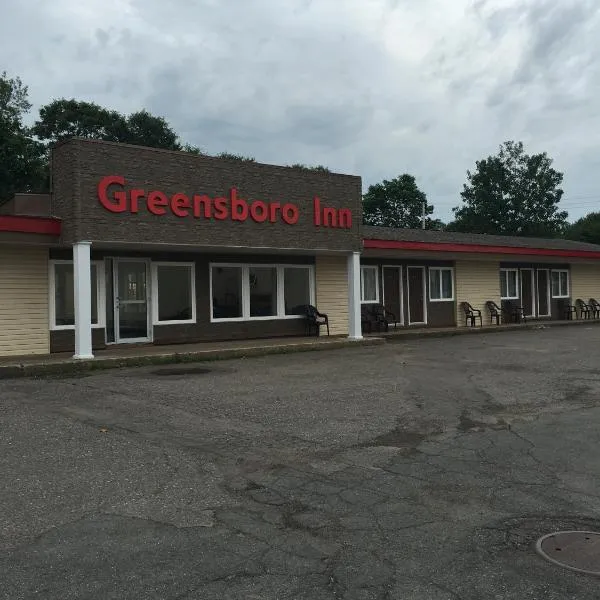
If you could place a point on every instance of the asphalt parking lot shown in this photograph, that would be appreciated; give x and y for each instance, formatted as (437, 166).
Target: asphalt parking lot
(420, 470)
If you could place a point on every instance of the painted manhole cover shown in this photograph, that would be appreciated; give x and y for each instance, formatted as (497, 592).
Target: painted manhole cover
(575, 550)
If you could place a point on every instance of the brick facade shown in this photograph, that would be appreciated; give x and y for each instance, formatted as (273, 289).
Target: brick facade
(78, 166)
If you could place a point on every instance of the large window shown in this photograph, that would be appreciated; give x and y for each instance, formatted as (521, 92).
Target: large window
(174, 293)
(560, 284)
(263, 291)
(441, 288)
(226, 285)
(509, 284)
(62, 298)
(369, 284)
(241, 292)
(296, 289)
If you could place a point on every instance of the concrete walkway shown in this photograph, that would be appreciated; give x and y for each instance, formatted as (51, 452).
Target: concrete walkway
(140, 355)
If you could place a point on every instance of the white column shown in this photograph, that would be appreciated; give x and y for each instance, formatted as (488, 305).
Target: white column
(82, 284)
(354, 324)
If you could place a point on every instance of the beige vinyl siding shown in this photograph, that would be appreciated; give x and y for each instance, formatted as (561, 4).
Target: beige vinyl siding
(585, 282)
(332, 291)
(476, 282)
(24, 301)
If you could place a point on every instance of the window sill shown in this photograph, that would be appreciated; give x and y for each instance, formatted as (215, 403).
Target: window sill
(72, 327)
(186, 322)
(441, 300)
(250, 319)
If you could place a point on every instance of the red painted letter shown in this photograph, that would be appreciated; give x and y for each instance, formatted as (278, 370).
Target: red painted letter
(206, 202)
(345, 218)
(221, 209)
(180, 205)
(118, 202)
(157, 202)
(259, 211)
(330, 217)
(136, 196)
(236, 205)
(289, 213)
(317, 211)
(273, 208)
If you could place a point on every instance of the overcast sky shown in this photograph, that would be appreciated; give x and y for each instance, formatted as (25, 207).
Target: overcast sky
(369, 87)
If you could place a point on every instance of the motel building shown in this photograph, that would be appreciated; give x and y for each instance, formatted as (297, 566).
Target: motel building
(149, 246)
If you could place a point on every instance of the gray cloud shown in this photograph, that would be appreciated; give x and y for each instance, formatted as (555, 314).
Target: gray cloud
(377, 89)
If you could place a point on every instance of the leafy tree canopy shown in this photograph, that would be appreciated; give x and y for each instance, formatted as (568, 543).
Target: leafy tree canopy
(62, 119)
(398, 203)
(21, 157)
(586, 229)
(512, 193)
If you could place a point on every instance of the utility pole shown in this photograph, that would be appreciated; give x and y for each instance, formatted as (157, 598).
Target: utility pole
(423, 219)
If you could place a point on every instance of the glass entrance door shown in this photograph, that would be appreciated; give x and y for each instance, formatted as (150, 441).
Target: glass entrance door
(131, 300)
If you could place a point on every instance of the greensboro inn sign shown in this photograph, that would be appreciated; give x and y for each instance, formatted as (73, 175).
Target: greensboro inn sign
(115, 197)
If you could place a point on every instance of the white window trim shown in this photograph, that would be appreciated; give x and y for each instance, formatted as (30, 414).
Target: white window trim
(100, 290)
(503, 272)
(245, 267)
(362, 284)
(154, 296)
(559, 271)
(439, 270)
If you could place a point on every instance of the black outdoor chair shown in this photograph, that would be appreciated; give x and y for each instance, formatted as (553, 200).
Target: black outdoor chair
(585, 312)
(595, 306)
(568, 310)
(495, 312)
(315, 320)
(471, 315)
(367, 320)
(515, 312)
(383, 317)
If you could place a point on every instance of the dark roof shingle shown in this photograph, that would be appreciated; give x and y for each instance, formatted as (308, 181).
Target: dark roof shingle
(479, 239)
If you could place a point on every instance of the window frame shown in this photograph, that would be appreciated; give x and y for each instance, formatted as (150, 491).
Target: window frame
(362, 284)
(100, 294)
(559, 272)
(517, 284)
(439, 270)
(154, 292)
(280, 291)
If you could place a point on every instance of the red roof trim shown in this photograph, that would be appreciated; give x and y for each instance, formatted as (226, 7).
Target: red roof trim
(446, 247)
(24, 224)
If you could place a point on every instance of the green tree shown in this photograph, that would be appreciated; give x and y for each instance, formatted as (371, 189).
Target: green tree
(398, 203)
(586, 229)
(316, 168)
(21, 157)
(240, 157)
(512, 193)
(62, 119)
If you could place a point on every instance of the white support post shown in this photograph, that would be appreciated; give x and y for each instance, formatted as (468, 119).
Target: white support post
(354, 322)
(82, 284)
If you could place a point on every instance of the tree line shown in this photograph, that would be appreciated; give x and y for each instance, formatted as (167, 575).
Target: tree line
(509, 193)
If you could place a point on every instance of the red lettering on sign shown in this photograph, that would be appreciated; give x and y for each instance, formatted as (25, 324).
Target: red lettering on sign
(157, 203)
(329, 217)
(206, 202)
(221, 209)
(136, 195)
(345, 218)
(180, 205)
(113, 196)
(118, 203)
(239, 208)
(259, 211)
(317, 211)
(273, 208)
(290, 214)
